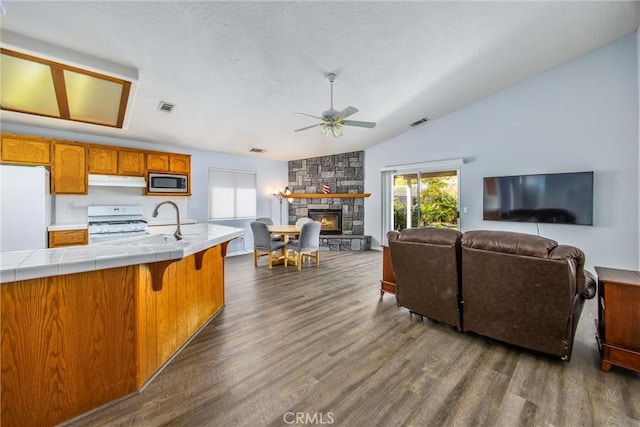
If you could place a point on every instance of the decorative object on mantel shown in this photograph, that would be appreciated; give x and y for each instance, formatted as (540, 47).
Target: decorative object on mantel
(282, 194)
(328, 196)
(326, 189)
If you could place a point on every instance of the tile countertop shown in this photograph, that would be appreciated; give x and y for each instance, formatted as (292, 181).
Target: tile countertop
(23, 265)
(150, 223)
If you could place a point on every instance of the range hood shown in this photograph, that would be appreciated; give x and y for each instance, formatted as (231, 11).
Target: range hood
(116, 181)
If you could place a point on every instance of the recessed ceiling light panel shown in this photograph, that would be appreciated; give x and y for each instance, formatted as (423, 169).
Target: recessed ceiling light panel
(43, 79)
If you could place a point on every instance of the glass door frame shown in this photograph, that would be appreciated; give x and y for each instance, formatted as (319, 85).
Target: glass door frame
(387, 174)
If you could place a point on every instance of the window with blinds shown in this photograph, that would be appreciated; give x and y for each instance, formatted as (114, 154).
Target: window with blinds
(232, 194)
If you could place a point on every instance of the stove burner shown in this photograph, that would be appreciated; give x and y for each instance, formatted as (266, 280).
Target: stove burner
(110, 222)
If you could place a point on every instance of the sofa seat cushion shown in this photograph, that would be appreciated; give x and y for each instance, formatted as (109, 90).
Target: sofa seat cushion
(509, 242)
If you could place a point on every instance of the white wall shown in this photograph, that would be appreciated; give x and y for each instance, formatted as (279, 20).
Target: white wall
(270, 174)
(580, 116)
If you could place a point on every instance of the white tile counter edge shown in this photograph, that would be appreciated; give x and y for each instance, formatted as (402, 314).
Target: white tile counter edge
(65, 227)
(23, 265)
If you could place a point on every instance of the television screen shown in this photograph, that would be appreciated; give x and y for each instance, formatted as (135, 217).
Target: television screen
(561, 198)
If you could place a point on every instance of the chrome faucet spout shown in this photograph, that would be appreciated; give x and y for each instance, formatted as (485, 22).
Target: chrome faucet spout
(178, 233)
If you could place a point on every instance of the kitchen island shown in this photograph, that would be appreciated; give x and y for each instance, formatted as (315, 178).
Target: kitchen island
(83, 326)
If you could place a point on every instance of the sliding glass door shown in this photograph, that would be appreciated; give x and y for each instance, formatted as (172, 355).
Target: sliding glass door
(425, 199)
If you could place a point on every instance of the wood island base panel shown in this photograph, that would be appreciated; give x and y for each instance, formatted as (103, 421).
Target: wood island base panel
(71, 343)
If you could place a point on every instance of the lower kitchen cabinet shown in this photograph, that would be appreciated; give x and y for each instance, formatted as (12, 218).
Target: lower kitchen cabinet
(62, 238)
(73, 342)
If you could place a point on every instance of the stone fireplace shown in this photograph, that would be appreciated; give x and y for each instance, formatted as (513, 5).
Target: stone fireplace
(343, 228)
(331, 220)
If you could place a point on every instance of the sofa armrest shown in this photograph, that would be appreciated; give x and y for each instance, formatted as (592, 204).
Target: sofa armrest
(392, 236)
(589, 286)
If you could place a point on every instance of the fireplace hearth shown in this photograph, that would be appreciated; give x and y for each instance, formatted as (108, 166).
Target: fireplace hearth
(331, 220)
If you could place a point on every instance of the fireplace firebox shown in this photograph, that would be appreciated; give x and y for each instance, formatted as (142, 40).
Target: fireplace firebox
(331, 220)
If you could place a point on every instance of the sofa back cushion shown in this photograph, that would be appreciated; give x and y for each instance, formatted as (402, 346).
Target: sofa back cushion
(509, 242)
(431, 235)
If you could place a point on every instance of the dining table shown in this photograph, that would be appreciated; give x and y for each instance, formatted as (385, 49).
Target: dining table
(285, 231)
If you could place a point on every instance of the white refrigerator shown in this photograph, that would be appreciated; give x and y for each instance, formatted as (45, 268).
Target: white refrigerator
(25, 207)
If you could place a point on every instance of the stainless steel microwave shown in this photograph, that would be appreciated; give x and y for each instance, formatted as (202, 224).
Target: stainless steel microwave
(167, 183)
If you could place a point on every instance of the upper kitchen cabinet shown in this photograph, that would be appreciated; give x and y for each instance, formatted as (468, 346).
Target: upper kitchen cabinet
(103, 160)
(131, 163)
(19, 149)
(114, 161)
(168, 162)
(158, 162)
(180, 163)
(69, 170)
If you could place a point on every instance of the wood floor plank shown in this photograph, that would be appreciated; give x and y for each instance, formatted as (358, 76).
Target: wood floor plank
(321, 343)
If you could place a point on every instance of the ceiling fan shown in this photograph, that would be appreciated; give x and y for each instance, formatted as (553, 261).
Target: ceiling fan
(332, 120)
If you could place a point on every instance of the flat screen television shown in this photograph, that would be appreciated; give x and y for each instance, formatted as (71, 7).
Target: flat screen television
(560, 198)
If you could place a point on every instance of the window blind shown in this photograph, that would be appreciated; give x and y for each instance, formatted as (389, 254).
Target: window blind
(232, 194)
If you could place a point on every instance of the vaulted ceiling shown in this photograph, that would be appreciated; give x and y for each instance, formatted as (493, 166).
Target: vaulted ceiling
(237, 71)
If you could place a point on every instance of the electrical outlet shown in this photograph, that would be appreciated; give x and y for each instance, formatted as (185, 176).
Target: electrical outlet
(71, 205)
(465, 209)
(193, 205)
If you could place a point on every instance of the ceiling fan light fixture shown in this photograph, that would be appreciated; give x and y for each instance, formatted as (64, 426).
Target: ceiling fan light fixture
(332, 120)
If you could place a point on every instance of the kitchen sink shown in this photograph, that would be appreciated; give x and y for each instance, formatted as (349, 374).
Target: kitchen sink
(161, 239)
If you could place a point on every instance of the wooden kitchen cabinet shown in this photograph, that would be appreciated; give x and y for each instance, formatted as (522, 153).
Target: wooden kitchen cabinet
(69, 170)
(179, 163)
(131, 163)
(62, 238)
(72, 161)
(168, 162)
(103, 160)
(113, 161)
(158, 162)
(19, 149)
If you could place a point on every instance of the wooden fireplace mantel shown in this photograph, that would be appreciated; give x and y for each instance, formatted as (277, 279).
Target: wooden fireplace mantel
(327, 196)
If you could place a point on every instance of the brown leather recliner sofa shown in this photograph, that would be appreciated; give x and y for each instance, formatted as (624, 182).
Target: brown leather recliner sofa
(518, 288)
(426, 262)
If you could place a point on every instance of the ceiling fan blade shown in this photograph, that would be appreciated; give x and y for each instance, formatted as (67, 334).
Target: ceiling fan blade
(358, 124)
(308, 115)
(308, 127)
(349, 111)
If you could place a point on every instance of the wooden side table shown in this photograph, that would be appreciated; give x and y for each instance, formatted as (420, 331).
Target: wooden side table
(618, 323)
(388, 282)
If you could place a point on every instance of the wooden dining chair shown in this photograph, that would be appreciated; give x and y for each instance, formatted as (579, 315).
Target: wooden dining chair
(307, 245)
(262, 243)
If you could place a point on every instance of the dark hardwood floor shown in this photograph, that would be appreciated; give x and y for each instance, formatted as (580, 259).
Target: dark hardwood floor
(319, 347)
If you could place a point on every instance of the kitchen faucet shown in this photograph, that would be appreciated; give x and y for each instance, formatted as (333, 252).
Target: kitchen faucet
(178, 233)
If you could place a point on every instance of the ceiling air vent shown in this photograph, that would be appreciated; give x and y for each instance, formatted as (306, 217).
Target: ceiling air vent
(419, 122)
(257, 150)
(166, 107)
